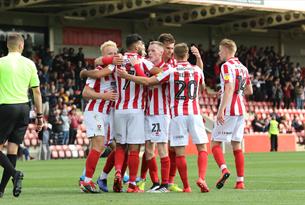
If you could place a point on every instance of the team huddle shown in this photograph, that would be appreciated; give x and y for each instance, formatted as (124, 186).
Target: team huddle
(153, 100)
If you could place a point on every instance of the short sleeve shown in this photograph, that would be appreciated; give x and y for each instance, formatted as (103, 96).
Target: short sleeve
(147, 65)
(34, 82)
(111, 67)
(226, 73)
(90, 82)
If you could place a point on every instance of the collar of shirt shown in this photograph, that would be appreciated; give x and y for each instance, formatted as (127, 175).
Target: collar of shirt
(14, 54)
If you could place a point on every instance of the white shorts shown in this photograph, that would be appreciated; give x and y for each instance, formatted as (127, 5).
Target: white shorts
(231, 130)
(129, 126)
(157, 128)
(181, 126)
(96, 123)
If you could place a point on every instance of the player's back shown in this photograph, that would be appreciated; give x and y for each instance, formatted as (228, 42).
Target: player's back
(185, 81)
(131, 95)
(235, 72)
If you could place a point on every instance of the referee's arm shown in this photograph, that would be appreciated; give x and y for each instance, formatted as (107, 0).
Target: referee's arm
(34, 85)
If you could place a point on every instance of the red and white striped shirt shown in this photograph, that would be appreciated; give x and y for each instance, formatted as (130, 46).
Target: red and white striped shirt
(101, 85)
(158, 102)
(233, 71)
(131, 95)
(172, 61)
(184, 82)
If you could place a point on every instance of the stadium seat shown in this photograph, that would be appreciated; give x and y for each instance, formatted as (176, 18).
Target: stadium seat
(54, 154)
(61, 154)
(27, 142)
(74, 153)
(52, 147)
(34, 142)
(86, 141)
(81, 153)
(79, 147)
(80, 141)
(68, 153)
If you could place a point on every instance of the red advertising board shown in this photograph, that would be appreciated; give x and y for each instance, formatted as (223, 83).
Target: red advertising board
(90, 36)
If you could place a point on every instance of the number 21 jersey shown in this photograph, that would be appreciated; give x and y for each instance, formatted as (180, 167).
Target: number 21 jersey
(233, 71)
(184, 82)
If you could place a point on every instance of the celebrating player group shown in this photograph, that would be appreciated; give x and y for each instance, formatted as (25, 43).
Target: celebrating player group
(152, 100)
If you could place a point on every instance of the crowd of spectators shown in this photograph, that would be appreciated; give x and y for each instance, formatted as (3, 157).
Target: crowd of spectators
(274, 77)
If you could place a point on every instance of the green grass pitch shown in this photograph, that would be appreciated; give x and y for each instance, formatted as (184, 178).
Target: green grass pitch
(271, 178)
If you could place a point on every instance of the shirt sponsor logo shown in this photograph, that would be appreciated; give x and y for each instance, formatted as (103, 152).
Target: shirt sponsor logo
(178, 137)
(224, 133)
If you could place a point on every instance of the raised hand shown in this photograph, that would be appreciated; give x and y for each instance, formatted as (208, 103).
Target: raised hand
(195, 52)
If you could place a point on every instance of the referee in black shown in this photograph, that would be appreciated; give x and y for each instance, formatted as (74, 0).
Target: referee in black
(17, 75)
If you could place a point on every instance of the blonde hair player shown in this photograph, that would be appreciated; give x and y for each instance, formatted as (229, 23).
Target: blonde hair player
(98, 114)
(229, 126)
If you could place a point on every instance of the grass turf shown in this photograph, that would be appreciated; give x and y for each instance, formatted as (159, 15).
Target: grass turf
(271, 178)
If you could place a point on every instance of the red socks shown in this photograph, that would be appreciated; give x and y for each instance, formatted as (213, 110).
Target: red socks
(173, 167)
(133, 165)
(109, 162)
(182, 168)
(119, 158)
(239, 162)
(125, 164)
(165, 163)
(91, 162)
(202, 163)
(218, 155)
(153, 170)
(144, 167)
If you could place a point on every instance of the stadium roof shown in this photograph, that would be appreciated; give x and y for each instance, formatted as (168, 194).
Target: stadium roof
(230, 16)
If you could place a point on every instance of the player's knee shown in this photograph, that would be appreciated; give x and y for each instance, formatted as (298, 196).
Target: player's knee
(149, 154)
(98, 143)
(201, 147)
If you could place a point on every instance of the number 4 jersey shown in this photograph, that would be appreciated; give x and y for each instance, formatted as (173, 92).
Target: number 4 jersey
(233, 71)
(184, 82)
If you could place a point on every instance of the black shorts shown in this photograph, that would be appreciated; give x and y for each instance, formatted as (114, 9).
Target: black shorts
(14, 120)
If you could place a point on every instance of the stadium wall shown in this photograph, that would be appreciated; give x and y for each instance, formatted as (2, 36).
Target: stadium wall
(255, 143)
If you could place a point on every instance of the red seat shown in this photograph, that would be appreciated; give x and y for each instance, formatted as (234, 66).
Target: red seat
(52, 147)
(61, 154)
(86, 141)
(58, 147)
(81, 153)
(54, 154)
(80, 141)
(68, 153)
(79, 147)
(34, 142)
(27, 142)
